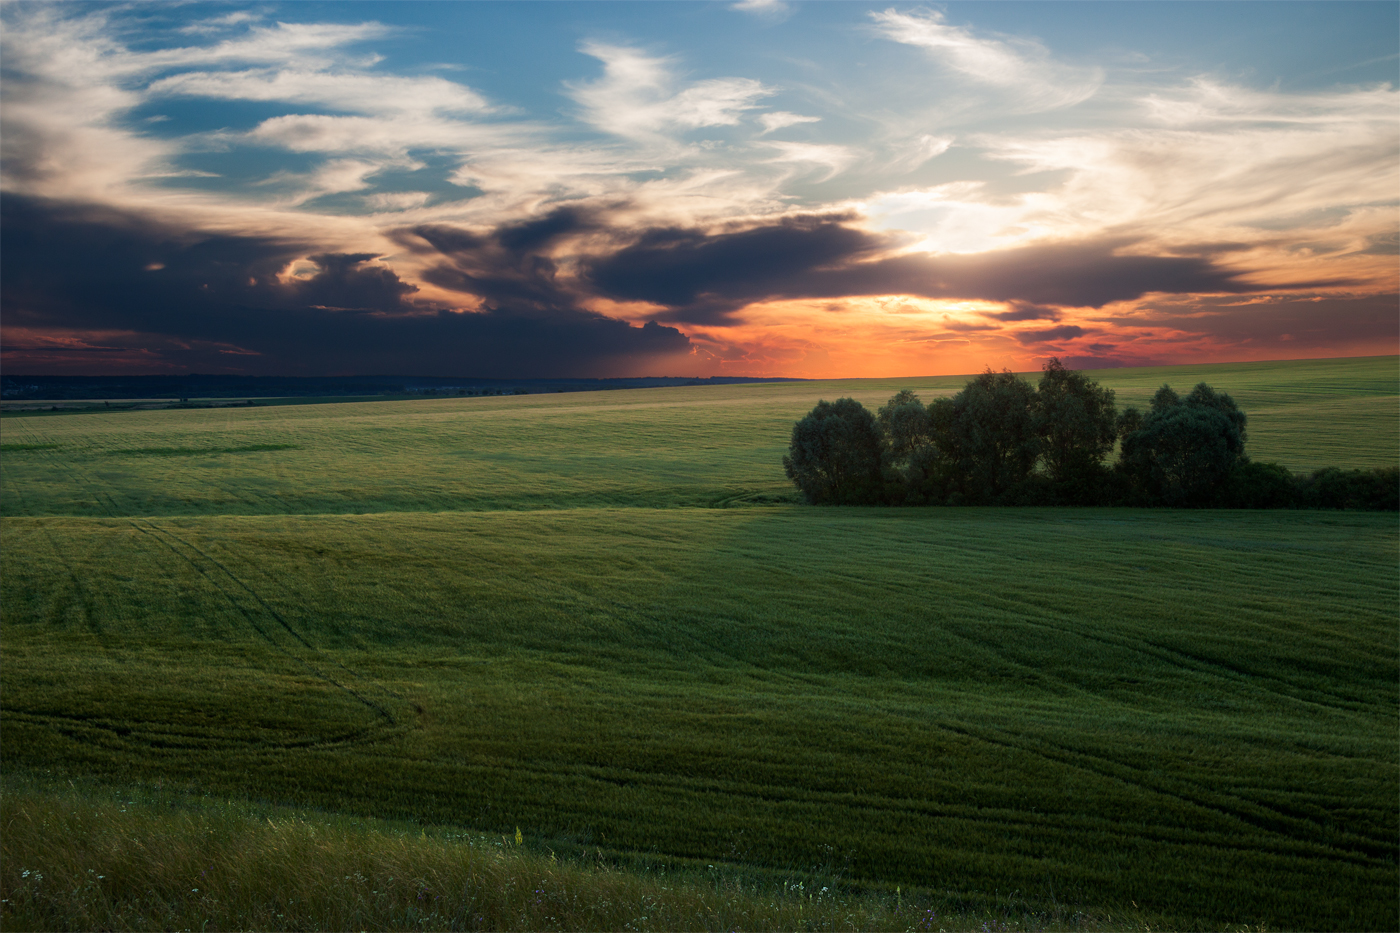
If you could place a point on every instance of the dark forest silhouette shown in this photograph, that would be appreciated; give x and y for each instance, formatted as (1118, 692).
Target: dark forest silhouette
(1002, 441)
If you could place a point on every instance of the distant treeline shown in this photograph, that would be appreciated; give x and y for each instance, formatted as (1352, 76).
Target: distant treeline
(197, 385)
(1002, 441)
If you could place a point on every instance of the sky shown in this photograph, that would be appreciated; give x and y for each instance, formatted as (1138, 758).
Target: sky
(758, 188)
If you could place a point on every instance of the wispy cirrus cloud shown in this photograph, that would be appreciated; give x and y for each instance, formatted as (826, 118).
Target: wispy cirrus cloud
(778, 119)
(832, 158)
(349, 91)
(772, 10)
(637, 97)
(1023, 69)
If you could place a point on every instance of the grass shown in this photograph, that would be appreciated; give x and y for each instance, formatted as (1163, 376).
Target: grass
(656, 448)
(257, 866)
(1034, 717)
(195, 451)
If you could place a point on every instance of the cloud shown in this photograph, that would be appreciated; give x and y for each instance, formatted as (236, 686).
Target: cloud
(70, 84)
(764, 9)
(509, 267)
(1063, 332)
(833, 158)
(219, 23)
(1025, 311)
(683, 193)
(1221, 164)
(1323, 323)
(278, 43)
(705, 276)
(967, 327)
(350, 91)
(332, 177)
(781, 118)
(397, 200)
(70, 270)
(1018, 66)
(915, 152)
(635, 98)
(344, 282)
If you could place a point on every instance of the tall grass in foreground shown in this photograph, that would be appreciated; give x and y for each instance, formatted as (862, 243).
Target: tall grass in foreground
(97, 858)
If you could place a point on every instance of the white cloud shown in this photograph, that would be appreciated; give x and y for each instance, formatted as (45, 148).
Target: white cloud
(397, 200)
(219, 23)
(1227, 159)
(351, 91)
(1023, 70)
(1206, 103)
(278, 43)
(1200, 163)
(334, 176)
(765, 9)
(781, 118)
(635, 99)
(915, 152)
(834, 158)
(388, 136)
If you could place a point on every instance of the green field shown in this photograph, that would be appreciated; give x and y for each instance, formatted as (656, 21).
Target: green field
(601, 617)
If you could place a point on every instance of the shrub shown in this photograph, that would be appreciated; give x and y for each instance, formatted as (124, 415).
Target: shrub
(1259, 486)
(1331, 488)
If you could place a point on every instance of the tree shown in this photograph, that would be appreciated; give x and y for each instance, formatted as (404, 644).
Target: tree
(834, 456)
(993, 435)
(904, 424)
(1186, 448)
(908, 446)
(1077, 423)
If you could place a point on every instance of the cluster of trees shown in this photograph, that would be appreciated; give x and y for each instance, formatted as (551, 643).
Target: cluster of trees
(1002, 441)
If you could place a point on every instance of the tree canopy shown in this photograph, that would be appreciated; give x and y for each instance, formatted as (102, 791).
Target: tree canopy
(1186, 448)
(834, 456)
(1002, 441)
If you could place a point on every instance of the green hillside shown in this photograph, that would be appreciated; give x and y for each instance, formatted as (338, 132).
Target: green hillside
(491, 613)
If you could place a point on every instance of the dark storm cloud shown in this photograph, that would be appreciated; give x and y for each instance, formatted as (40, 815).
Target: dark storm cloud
(1063, 332)
(506, 267)
(703, 278)
(1278, 322)
(345, 283)
(1025, 311)
(215, 301)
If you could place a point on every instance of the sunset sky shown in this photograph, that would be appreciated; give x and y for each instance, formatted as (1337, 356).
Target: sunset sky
(655, 188)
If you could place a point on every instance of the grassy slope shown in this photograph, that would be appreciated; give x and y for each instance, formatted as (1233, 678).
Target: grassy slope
(81, 857)
(1190, 711)
(650, 448)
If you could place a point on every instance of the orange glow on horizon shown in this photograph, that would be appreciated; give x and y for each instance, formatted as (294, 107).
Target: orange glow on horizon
(899, 336)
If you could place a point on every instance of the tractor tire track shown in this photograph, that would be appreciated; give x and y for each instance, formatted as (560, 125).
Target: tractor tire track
(1250, 812)
(214, 572)
(268, 608)
(82, 728)
(85, 601)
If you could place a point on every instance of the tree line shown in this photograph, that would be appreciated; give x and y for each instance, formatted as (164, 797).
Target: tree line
(1003, 441)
